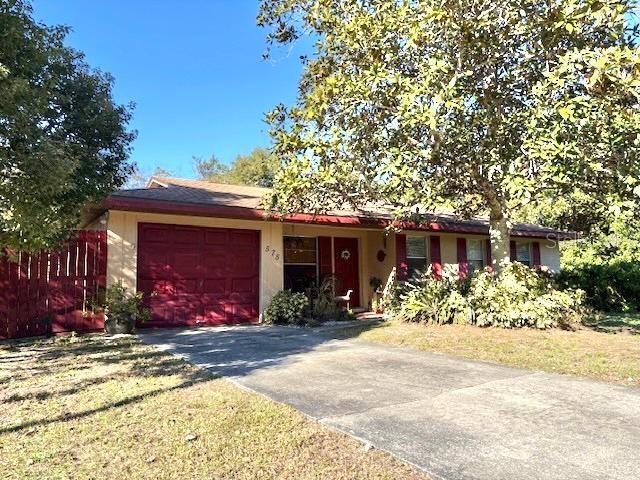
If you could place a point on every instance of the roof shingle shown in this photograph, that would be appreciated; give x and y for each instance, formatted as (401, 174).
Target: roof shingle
(203, 193)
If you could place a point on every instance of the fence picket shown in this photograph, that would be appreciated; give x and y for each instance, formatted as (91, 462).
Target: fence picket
(23, 296)
(80, 307)
(60, 296)
(12, 300)
(92, 252)
(41, 309)
(4, 296)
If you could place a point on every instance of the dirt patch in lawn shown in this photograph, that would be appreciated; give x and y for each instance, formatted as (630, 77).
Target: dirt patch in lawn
(602, 356)
(88, 407)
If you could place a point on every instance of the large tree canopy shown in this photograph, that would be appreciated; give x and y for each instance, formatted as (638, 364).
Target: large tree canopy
(486, 106)
(257, 169)
(63, 140)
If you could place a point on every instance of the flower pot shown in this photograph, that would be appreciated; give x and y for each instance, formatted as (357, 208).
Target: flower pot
(112, 326)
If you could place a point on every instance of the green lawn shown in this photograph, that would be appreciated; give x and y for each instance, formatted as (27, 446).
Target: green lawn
(613, 357)
(81, 408)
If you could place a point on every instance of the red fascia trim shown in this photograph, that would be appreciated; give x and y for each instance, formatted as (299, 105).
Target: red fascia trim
(443, 227)
(482, 230)
(550, 235)
(154, 206)
(241, 213)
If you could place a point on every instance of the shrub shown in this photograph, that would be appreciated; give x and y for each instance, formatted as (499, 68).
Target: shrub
(518, 297)
(606, 265)
(122, 308)
(390, 300)
(286, 307)
(376, 284)
(612, 285)
(323, 302)
(427, 299)
(522, 297)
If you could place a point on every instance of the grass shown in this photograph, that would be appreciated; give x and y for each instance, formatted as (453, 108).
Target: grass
(617, 322)
(588, 353)
(85, 407)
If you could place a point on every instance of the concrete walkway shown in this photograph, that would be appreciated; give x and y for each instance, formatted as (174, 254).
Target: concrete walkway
(454, 418)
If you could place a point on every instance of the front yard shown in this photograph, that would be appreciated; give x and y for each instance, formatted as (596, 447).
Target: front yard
(612, 357)
(85, 407)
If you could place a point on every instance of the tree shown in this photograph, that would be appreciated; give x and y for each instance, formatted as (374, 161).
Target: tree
(139, 179)
(63, 141)
(162, 172)
(212, 170)
(489, 106)
(257, 169)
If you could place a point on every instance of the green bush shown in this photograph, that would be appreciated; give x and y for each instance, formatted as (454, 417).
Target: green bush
(518, 297)
(522, 297)
(323, 302)
(612, 286)
(426, 299)
(122, 309)
(606, 265)
(286, 307)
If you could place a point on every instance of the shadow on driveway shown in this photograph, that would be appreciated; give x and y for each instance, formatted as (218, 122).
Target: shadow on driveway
(238, 350)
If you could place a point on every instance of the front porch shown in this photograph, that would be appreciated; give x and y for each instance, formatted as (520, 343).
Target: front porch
(353, 257)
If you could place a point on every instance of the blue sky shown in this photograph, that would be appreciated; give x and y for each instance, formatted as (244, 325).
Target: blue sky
(193, 68)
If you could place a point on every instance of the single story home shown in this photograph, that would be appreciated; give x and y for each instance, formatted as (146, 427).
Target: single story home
(204, 253)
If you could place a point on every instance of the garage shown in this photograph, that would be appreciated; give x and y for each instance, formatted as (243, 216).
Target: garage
(198, 276)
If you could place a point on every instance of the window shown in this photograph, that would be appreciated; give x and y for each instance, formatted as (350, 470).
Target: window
(300, 250)
(475, 255)
(523, 253)
(416, 254)
(300, 263)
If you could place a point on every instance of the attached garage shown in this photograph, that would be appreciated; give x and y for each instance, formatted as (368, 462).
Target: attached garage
(198, 276)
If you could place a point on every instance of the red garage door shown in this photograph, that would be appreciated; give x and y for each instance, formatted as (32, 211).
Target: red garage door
(198, 275)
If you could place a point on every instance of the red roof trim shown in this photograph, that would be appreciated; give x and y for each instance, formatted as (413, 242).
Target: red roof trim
(241, 213)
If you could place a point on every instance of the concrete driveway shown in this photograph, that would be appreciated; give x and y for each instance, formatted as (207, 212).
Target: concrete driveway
(453, 418)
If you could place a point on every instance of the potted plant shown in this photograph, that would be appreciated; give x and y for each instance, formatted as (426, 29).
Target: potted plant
(122, 309)
(376, 285)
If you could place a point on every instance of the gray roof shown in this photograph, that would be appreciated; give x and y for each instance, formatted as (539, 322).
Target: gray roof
(198, 192)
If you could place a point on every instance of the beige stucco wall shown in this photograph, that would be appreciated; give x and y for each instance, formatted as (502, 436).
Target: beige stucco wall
(381, 270)
(123, 239)
(550, 254)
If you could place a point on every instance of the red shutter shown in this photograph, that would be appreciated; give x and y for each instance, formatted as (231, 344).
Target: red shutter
(402, 268)
(512, 248)
(324, 257)
(463, 266)
(436, 259)
(536, 254)
(488, 247)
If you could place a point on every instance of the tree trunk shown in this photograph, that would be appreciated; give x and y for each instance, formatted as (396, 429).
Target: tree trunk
(499, 238)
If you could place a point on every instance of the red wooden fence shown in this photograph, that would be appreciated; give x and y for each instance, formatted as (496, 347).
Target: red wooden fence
(52, 292)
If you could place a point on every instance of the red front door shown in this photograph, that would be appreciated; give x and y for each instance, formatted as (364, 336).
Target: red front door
(194, 275)
(347, 268)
